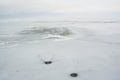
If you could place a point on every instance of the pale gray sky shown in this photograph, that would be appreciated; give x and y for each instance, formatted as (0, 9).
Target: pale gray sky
(48, 7)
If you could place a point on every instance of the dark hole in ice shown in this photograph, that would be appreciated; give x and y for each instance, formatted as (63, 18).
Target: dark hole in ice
(73, 74)
(48, 62)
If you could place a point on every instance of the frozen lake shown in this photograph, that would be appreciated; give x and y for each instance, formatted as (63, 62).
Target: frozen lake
(89, 48)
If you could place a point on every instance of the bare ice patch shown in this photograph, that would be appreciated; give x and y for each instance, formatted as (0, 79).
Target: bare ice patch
(36, 34)
(48, 32)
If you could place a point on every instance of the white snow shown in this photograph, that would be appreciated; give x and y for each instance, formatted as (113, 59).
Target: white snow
(92, 51)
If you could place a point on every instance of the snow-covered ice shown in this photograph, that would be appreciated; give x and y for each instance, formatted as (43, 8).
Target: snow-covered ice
(92, 50)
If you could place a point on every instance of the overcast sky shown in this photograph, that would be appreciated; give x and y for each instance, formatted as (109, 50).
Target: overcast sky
(51, 7)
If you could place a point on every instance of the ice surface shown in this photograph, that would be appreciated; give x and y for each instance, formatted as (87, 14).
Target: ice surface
(92, 50)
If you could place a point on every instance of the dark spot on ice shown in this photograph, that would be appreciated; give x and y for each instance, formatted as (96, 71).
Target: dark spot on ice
(48, 62)
(73, 74)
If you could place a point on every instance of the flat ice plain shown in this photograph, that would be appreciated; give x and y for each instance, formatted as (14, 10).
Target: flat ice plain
(92, 50)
